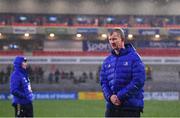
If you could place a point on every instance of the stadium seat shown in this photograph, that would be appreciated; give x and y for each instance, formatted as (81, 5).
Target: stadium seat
(143, 52)
(11, 53)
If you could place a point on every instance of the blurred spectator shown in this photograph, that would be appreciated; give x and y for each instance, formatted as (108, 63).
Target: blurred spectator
(6, 77)
(148, 73)
(9, 69)
(2, 74)
(36, 75)
(71, 75)
(41, 74)
(84, 77)
(97, 74)
(97, 77)
(96, 22)
(70, 21)
(31, 74)
(91, 75)
(57, 75)
(50, 77)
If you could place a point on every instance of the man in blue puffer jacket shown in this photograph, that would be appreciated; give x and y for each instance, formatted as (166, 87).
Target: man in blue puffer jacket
(20, 88)
(122, 78)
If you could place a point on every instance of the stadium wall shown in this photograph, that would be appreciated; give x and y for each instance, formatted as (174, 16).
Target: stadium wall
(110, 7)
(88, 60)
(63, 45)
(164, 69)
(92, 96)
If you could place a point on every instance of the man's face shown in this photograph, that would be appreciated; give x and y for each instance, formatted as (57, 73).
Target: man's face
(24, 64)
(115, 40)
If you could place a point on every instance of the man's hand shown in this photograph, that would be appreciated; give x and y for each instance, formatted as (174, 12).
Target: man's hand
(114, 99)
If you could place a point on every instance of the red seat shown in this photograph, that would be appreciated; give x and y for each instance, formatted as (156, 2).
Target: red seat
(159, 52)
(141, 25)
(24, 24)
(11, 53)
(68, 53)
(116, 25)
(55, 24)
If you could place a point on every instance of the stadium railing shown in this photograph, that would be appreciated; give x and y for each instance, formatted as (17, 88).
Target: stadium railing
(163, 52)
(143, 52)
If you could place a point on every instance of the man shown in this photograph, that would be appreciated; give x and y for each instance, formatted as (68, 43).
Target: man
(20, 88)
(122, 78)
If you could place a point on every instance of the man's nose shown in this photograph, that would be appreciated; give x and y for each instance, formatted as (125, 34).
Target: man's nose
(112, 41)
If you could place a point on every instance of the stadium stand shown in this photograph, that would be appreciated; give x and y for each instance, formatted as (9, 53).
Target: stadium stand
(142, 52)
(64, 27)
(11, 53)
(84, 20)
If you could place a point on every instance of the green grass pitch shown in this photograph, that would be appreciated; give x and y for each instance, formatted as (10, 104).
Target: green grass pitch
(89, 108)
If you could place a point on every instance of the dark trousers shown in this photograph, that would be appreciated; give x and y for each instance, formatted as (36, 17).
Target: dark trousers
(122, 113)
(25, 110)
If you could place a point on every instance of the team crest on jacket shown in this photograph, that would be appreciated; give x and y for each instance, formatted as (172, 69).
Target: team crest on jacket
(125, 63)
(109, 65)
(25, 79)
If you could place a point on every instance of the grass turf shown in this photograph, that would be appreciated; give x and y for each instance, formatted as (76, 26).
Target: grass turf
(89, 108)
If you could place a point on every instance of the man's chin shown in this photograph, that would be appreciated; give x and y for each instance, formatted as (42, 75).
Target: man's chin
(115, 48)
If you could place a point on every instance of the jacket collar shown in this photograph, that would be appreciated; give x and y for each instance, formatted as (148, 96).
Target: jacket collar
(124, 51)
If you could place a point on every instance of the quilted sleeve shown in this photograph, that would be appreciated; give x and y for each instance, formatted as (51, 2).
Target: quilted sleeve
(105, 84)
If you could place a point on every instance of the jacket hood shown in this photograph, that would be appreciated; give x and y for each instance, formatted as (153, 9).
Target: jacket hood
(123, 51)
(18, 61)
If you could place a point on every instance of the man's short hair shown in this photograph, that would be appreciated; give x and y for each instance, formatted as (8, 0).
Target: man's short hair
(120, 31)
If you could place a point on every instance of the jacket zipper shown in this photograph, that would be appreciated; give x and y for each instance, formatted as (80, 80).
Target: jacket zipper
(115, 68)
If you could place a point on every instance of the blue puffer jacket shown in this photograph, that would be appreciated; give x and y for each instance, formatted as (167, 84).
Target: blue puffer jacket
(123, 75)
(20, 85)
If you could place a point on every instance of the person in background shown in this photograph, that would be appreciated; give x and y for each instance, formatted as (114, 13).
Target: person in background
(2, 74)
(122, 78)
(20, 88)
(57, 75)
(51, 77)
(148, 72)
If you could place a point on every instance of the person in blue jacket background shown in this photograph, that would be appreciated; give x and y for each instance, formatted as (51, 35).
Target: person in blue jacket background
(122, 78)
(20, 88)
